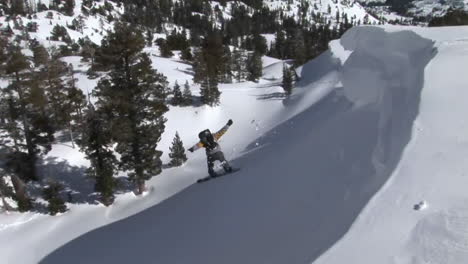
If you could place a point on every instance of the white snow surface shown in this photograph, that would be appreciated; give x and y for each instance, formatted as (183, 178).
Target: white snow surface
(375, 126)
(433, 169)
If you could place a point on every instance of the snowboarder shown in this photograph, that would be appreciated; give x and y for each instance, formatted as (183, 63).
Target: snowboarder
(213, 150)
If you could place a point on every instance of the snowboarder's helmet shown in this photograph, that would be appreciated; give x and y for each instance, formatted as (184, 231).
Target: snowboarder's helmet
(204, 134)
(206, 138)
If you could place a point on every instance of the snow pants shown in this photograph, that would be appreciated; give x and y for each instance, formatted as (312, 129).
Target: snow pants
(211, 158)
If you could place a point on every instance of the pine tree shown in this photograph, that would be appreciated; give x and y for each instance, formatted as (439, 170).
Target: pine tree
(17, 7)
(177, 93)
(209, 85)
(187, 94)
(88, 50)
(186, 54)
(260, 44)
(225, 67)
(200, 68)
(51, 194)
(69, 5)
(254, 67)
(165, 49)
(298, 50)
(209, 91)
(40, 55)
(287, 80)
(116, 51)
(56, 92)
(3, 52)
(280, 44)
(74, 104)
(96, 143)
(30, 124)
(60, 33)
(6, 191)
(54, 4)
(177, 153)
(133, 96)
(239, 65)
(149, 37)
(41, 6)
(213, 50)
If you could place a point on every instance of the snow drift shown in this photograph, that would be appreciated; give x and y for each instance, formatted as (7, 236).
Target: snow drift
(344, 133)
(421, 216)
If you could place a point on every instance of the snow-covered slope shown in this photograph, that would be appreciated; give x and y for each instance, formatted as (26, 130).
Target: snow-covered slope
(326, 8)
(384, 107)
(435, 7)
(309, 165)
(93, 26)
(432, 173)
(246, 103)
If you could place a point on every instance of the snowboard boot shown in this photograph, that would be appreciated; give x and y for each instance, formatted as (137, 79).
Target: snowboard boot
(212, 173)
(227, 168)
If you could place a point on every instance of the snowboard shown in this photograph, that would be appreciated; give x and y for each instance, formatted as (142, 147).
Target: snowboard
(207, 178)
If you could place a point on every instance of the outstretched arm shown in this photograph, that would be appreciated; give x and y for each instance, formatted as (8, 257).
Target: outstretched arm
(223, 130)
(196, 146)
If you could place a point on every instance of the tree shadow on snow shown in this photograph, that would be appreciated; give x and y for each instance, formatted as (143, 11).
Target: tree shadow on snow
(78, 186)
(272, 96)
(187, 71)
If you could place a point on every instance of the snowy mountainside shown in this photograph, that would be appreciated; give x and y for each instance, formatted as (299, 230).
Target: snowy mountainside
(327, 8)
(423, 8)
(412, 12)
(91, 26)
(310, 163)
(243, 102)
(398, 116)
(360, 119)
(66, 164)
(307, 10)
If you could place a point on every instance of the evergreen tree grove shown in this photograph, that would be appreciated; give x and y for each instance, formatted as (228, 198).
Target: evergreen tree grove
(29, 123)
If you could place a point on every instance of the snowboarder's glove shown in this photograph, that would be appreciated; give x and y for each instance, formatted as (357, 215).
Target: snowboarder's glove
(229, 123)
(191, 149)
